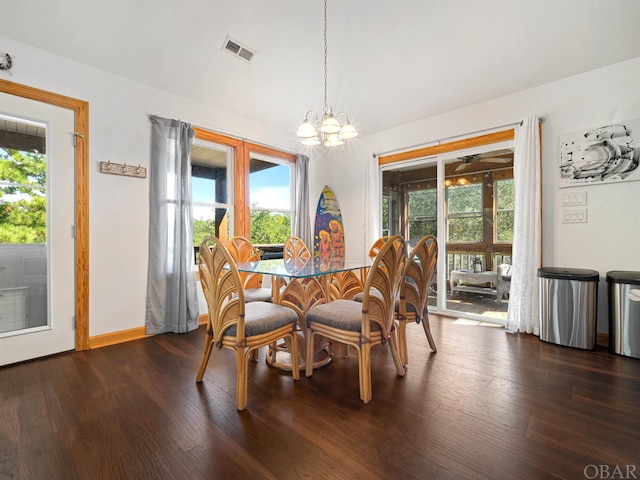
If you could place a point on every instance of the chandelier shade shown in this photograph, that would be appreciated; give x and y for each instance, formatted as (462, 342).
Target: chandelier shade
(310, 141)
(306, 130)
(347, 131)
(330, 124)
(333, 140)
(328, 127)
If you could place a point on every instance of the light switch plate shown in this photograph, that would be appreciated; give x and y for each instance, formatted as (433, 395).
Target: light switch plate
(573, 198)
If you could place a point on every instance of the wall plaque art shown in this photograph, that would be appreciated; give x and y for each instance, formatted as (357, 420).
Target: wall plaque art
(605, 154)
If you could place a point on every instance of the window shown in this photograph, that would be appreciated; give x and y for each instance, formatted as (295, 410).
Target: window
(235, 182)
(23, 191)
(270, 199)
(422, 220)
(212, 198)
(505, 200)
(464, 206)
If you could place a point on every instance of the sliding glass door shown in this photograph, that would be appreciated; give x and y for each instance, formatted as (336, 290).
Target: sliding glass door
(465, 199)
(478, 229)
(410, 205)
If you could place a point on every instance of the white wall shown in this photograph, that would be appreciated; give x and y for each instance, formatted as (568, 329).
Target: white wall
(609, 240)
(119, 130)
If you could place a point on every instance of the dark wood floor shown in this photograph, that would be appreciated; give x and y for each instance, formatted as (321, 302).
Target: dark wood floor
(488, 405)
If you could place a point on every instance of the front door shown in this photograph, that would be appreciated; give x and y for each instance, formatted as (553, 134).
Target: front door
(37, 215)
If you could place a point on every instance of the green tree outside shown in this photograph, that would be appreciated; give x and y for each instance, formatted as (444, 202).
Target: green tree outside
(201, 229)
(505, 204)
(266, 228)
(422, 213)
(23, 202)
(269, 228)
(464, 204)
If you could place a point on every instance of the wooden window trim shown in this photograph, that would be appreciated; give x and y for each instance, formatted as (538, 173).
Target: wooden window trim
(496, 137)
(242, 151)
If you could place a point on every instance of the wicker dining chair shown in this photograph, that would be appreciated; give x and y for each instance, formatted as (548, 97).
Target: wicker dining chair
(296, 255)
(295, 248)
(414, 292)
(377, 245)
(367, 324)
(236, 325)
(242, 250)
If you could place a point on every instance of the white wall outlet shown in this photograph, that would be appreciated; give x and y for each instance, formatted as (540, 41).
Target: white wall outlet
(574, 215)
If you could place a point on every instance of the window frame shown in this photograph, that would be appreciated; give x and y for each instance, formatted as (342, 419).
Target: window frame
(242, 151)
(475, 214)
(292, 177)
(230, 181)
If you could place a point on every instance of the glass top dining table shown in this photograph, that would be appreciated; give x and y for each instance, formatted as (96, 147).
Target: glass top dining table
(304, 283)
(299, 268)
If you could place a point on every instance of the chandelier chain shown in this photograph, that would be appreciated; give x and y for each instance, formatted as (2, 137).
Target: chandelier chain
(325, 55)
(325, 127)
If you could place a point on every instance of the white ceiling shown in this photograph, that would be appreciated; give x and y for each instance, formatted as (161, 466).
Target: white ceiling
(390, 61)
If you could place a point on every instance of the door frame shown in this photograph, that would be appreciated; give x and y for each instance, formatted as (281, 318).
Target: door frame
(81, 110)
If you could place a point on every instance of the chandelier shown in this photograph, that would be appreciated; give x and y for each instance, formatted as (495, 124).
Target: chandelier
(328, 128)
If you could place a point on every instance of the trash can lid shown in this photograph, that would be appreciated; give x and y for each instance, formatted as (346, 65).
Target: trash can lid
(568, 273)
(620, 276)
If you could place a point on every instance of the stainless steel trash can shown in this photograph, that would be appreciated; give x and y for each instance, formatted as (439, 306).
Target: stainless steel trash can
(624, 312)
(568, 306)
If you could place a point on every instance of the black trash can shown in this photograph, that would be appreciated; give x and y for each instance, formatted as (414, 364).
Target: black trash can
(624, 312)
(568, 306)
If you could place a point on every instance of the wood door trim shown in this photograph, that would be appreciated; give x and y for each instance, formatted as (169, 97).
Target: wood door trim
(81, 111)
(489, 138)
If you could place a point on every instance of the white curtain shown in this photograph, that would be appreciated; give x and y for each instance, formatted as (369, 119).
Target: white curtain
(523, 310)
(301, 225)
(372, 202)
(172, 299)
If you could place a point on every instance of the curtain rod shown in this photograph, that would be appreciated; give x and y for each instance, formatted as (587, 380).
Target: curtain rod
(440, 140)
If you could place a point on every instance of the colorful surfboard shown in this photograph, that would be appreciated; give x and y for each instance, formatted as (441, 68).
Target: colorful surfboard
(328, 238)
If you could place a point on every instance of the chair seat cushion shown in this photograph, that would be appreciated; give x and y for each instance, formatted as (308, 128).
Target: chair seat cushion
(263, 317)
(360, 296)
(342, 314)
(257, 295)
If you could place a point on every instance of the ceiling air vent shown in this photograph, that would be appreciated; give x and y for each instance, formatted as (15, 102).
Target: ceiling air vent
(237, 49)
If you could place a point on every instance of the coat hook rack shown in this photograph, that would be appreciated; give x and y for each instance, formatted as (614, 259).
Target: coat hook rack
(123, 169)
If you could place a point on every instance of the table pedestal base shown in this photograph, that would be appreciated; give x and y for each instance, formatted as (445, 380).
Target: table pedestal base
(279, 355)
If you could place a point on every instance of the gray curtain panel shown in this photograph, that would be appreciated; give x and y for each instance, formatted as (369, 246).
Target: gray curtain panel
(172, 298)
(301, 225)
